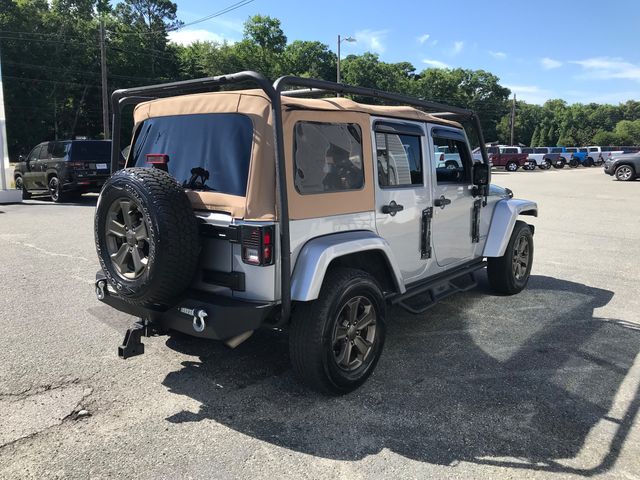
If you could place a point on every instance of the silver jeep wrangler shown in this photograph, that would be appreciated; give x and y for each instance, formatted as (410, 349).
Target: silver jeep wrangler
(264, 208)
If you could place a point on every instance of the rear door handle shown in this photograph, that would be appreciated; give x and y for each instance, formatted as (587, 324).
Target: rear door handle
(441, 202)
(392, 208)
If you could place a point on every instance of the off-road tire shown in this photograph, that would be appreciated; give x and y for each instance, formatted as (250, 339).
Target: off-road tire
(562, 164)
(625, 173)
(511, 166)
(500, 270)
(589, 162)
(546, 165)
(573, 163)
(311, 336)
(172, 243)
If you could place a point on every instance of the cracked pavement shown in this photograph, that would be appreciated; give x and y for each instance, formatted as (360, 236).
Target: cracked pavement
(544, 384)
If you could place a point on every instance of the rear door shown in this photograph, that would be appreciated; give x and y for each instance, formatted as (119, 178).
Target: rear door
(401, 192)
(453, 202)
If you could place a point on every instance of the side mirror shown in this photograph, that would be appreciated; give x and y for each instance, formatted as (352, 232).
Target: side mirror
(21, 158)
(481, 174)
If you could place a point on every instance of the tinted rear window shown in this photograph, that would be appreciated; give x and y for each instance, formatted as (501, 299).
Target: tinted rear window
(217, 143)
(540, 150)
(97, 151)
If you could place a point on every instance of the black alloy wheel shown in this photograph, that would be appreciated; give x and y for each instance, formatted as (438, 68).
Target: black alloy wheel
(510, 273)
(127, 238)
(336, 340)
(55, 190)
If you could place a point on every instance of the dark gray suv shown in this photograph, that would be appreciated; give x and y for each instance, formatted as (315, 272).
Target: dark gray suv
(624, 167)
(63, 169)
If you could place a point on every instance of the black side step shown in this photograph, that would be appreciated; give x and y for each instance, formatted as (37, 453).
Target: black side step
(438, 288)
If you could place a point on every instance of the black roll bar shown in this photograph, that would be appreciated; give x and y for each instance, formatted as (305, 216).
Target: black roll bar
(133, 96)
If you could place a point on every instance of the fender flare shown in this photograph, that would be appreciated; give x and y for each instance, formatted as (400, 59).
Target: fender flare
(318, 253)
(503, 220)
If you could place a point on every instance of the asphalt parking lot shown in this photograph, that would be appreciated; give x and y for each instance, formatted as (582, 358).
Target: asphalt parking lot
(545, 384)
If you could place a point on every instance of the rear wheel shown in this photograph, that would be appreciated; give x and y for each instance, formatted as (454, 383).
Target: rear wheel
(55, 190)
(510, 273)
(546, 165)
(512, 166)
(559, 163)
(625, 173)
(335, 341)
(573, 163)
(589, 162)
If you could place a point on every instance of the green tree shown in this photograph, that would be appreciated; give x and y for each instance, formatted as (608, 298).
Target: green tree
(310, 59)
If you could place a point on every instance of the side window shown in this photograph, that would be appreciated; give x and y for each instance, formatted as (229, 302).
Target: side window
(34, 153)
(457, 164)
(59, 149)
(399, 160)
(327, 157)
(593, 149)
(44, 151)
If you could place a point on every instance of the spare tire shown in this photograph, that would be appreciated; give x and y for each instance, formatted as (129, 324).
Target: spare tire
(146, 236)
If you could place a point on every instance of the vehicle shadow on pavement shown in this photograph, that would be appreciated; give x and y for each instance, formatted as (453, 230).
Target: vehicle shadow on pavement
(479, 378)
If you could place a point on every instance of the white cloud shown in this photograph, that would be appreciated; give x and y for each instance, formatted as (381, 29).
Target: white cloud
(609, 67)
(186, 37)
(372, 40)
(531, 93)
(549, 63)
(423, 38)
(498, 55)
(435, 63)
(457, 47)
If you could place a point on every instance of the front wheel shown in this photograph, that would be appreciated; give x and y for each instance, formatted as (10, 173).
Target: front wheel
(335, 341)
(546, 165)
(510, 273)
(625, 173)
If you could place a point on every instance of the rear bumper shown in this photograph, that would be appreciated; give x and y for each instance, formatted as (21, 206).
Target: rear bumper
(226, 317)
(85, 184)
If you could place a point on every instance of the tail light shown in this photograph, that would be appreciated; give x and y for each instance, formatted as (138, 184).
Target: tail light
(257, 245)
(158, 160)
(76, 165)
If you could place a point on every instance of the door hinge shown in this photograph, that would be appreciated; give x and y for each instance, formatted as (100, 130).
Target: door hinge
(475, 224)
(425, 233)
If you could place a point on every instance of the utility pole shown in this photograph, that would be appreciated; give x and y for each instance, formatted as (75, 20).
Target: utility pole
(513, 117)
(6, 172)
(105, 93)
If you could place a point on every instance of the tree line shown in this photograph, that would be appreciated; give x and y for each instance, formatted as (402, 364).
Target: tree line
(51, 73)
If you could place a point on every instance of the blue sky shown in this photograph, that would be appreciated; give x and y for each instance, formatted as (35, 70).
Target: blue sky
(580, 51)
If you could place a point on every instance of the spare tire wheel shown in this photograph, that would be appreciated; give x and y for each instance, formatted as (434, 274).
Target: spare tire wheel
(146, 236)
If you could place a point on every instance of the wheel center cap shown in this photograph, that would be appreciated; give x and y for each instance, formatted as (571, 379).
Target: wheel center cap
(351, 332)
(131, 239)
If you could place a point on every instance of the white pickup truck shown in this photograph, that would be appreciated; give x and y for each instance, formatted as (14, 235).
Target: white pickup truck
(537, 154)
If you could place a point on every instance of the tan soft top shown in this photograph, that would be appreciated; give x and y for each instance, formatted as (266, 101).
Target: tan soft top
(260, 201)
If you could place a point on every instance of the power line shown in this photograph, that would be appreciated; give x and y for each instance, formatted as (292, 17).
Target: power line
(228, 9)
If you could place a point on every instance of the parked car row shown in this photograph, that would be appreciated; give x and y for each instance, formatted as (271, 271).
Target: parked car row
(511, 158)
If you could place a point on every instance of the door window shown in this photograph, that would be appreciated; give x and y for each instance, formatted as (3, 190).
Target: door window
(457, 165)
(399, 160)
(34, 153)
(44, 152)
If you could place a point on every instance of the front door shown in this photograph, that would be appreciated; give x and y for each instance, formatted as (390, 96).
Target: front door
(453, 202)
(31, 174)
(401, 192)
